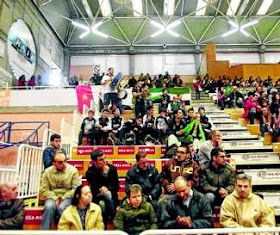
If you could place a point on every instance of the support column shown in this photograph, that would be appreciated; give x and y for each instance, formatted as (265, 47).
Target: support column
(261, 54)
(197, 59)
(131, 68)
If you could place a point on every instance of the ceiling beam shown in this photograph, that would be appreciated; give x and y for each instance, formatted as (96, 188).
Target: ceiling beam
(190, 32)
(271, 31)
(183, 7)
(138, 32)
(87, 9)
(121, 30)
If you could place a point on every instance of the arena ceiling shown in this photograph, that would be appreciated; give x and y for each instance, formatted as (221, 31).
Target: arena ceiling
(167, 23)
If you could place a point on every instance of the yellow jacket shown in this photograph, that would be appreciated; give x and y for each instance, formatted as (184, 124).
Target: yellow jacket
(70, 219)
(56, 184)
(252, 211)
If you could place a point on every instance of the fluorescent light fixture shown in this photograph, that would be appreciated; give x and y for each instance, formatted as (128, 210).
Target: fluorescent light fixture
(264, 7)
(172, 33)
(87, 8)
(244, 32)
(243, 6)
(82, 26)
(168, 7)
(84, 34)
(100, 34)
(234, 24)
(137, 7)
(233, 6)
(249, 24)
(201, 7)
(96, 25)
(229, 33)
(157, 33)
(105, 6)
(173, 24)
(157, 24)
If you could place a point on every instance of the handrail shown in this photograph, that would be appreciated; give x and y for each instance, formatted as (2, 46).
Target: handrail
(38, 87)
(51, 232)
(47, 135)
(6, 132)
(215, 231)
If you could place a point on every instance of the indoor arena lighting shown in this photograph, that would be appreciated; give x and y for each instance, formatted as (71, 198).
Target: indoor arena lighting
(240, 28)
(137, 7)
(264, 7)
(233, 6)
(84, 34)
(105, 7)
(167, 28)
(169, 7)
(82, 26)
(201, 8)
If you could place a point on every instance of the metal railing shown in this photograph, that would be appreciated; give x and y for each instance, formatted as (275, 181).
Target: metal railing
(7, 129)
(26, 172)
(214, 231)
(51, 232)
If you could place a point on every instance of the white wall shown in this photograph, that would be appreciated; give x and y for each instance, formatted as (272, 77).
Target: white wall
(159, 63)
(239, 58)
(119, 62)
(271, 58)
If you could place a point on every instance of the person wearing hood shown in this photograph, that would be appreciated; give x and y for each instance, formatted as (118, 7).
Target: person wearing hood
(217, 180)
(135, 214)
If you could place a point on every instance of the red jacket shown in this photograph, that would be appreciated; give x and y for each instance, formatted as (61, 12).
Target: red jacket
(248, 104)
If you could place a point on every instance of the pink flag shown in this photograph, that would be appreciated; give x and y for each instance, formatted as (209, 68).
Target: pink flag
(84, 96)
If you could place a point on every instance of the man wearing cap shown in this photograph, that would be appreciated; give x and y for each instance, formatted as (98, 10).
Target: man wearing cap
(58, 185)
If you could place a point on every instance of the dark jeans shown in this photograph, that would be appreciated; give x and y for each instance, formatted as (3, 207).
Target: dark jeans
(197, 95)
(276, 133)
(111, 98)
(139, 110)
(107, 205)
(90, 135)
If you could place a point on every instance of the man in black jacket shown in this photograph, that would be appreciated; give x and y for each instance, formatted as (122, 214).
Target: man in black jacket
(188, 209)
(146, 176)
(104, 182)
(88, 128)
(11, 208)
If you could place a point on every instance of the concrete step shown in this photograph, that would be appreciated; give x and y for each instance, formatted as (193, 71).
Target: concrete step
(223, 121)
(265, 158)
(233, 133)
(264, 176)
(218, 115)
(199, 101)
(273, 200)
(241, 137)
(229, 127)
(242, 144)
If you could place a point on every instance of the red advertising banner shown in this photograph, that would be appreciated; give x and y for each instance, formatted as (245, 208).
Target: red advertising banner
(77, 163)
(126, 150)
(84, 182)
(33, 217)
(163, 149)
(122, 165)
(84, 150)
(147, 149)
(152, 162)
(122, 185)
(107, 150)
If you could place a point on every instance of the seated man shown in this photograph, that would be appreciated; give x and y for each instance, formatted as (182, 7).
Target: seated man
(103, 127)
(243, 208)
(187, 209)
(133, 129)
(135, 214)
(104, 182)
(181, 165)
(49, 152)
(204, 152)
(57, 186)
(205, 122)
(162, 124)
(236, 98)
(146, 176)
(116, 126)
(11, 208)
(149, 121)
(217, 180)
(88, 128)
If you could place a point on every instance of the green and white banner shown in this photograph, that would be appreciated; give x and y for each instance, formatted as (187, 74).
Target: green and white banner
(156, 93)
